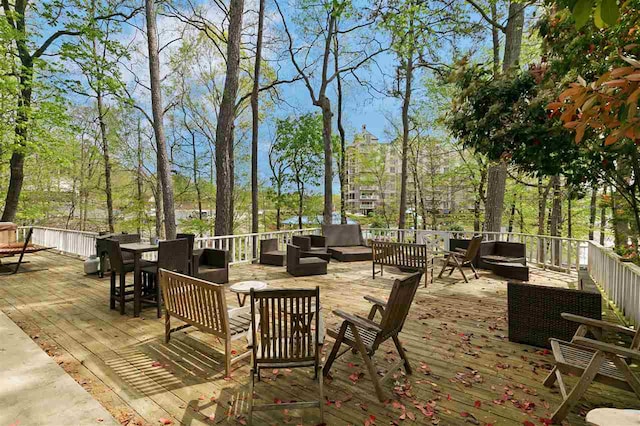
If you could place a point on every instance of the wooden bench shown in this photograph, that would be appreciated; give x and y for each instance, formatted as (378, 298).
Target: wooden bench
(405, 256)
(203, 305)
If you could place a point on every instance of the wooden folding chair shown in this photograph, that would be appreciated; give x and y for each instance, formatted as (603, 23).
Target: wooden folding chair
(364, 335)
(462, 258)
(592, 360)
(286, 334)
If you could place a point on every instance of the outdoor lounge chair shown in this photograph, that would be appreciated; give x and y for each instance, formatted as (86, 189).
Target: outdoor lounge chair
(286, 333)
(365, 335)
(461, 258)
(203, 305)
(299, 266)
(191, 238)
(308, 250)
(345, 243)
(211, 265)
(18, 248)
(269, 253)
(592, 360)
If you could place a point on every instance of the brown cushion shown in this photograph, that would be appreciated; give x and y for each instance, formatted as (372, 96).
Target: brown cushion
(275, 253)
(352, 250)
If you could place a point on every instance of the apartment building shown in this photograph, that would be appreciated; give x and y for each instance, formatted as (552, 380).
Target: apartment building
(374, 171)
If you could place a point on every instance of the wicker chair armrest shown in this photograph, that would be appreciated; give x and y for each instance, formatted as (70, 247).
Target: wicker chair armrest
(376, 301)
(590, 322)
(358, 321)
(318, 241)
(215, 257)
(607, 347)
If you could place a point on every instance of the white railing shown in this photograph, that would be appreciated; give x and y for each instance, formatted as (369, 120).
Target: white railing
(558, 253)
(241, 246)
(620, 281)
(79, 243)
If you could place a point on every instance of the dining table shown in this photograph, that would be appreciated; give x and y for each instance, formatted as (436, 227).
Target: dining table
(137, 250)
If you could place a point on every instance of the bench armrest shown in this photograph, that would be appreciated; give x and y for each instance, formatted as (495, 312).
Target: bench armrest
(376, 301)
(606, 347)
(358, 321)
(590, 322)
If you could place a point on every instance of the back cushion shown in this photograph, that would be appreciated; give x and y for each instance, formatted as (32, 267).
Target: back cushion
(342, 235)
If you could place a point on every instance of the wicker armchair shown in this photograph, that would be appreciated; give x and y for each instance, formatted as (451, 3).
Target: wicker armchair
(211, 265)
(269, 253)
(303, 266)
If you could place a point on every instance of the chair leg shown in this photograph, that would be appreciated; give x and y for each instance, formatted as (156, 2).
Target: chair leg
(250, 404)
(368, 362)
(227, 358)
(403, 354)
(580, 388)
(475, 273)
(320, 386)
(446, 263)
(335, 349)
(459, 266)
(112, 292)
(158, 295)
(167, 327)
(122, 291)
(551, 378)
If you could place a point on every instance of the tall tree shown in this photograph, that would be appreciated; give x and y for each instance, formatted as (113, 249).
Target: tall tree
(324, 16)
(164, 168)
(225, 125)
(255, 121)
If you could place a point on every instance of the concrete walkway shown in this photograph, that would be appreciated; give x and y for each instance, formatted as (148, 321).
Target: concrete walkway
(34, 390)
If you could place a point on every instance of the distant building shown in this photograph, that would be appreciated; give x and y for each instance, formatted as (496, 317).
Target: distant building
(374, 172)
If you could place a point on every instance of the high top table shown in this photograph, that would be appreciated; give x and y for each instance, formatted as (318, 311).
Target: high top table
(137, 249)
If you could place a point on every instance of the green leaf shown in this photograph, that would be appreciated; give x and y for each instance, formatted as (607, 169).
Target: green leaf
(597, 16)
(610, 12)
(581, 12)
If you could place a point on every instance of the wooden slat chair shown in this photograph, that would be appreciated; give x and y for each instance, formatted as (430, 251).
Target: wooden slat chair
(462, 258)
(202, 304)
(592, 360)
(286, 334)
(364, 335)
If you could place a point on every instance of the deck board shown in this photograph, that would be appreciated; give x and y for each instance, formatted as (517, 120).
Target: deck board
(455, 338)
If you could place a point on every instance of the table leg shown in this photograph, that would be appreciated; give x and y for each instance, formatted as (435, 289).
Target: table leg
(244, 299)
(137, 284)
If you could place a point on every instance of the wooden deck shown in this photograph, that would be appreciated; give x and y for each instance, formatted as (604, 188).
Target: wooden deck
(466, 371)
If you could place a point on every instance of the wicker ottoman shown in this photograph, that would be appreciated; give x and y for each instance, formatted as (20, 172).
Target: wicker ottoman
(534, 312)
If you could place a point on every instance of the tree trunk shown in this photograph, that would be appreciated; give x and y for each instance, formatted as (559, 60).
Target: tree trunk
(16, 164)
(196, 181)
(255, 124)
(141, 203)
(328, 160)
(480, 195)
(497, 173)
(513, 35)
(107, 160)
(157, 195)
(543, 194)
(405, 131)
(603, 218)
(164, 168)
(592, 212)
(342, 166)
(225, 125)
(569, 216)
(512, 214)
(495, 39)
(496, 182)
(554, 220)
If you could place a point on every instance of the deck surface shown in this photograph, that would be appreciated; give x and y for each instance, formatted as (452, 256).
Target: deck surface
(465, 369)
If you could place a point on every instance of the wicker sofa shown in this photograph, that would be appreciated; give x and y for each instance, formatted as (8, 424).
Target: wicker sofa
(345, 243)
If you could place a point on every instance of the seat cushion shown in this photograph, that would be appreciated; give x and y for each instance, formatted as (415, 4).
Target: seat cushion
(311, 260)
(351, 253)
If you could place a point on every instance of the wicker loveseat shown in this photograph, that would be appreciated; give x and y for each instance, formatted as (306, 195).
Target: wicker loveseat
(345, 243)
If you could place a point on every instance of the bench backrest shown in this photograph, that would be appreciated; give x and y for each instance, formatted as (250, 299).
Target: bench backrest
(197, 302)
(399, 254)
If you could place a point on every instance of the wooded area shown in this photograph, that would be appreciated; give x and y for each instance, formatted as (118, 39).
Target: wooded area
(232, 117)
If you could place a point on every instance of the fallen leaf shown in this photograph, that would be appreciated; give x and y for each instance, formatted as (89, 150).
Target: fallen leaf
(156, 364)
(477, 404)
(165, 421)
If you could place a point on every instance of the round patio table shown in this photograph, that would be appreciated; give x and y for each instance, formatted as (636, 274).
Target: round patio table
(244, 287)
